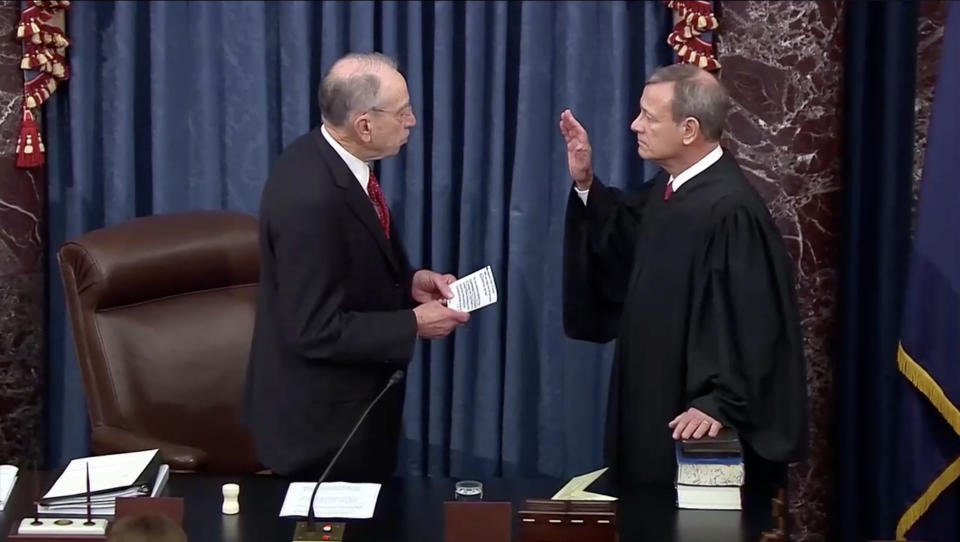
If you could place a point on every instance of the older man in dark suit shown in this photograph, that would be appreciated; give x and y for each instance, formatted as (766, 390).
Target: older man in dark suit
(339, 308)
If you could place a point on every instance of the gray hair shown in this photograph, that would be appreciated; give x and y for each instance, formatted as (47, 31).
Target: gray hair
(697, 94)
(344, 92)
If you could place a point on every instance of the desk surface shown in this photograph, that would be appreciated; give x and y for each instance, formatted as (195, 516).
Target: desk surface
(408, 509)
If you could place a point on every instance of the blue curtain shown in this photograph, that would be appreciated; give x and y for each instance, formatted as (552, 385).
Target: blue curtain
(878, 164)
(176, 106)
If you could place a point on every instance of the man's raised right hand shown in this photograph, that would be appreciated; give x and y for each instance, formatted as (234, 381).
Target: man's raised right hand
(579, 152)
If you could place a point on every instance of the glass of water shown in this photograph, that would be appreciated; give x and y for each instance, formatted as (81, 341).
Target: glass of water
(469, 490)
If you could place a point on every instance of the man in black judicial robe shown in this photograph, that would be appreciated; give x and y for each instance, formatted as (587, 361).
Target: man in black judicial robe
(692, 278)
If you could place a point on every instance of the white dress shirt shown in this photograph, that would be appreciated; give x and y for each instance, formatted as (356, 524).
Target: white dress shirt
(359, 168)
(697, 168)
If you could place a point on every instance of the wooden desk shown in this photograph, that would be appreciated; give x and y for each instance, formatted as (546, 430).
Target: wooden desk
(408, 510)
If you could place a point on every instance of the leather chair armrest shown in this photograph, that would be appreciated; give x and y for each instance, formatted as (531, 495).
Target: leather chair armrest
(106, 439)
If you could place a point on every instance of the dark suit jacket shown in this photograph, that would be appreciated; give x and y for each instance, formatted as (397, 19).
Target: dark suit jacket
(334, 321)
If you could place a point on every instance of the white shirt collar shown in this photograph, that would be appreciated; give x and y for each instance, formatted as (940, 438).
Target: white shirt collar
(359, 168)
(697, 168)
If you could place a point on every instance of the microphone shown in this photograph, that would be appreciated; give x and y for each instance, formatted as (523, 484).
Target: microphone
(395, 378)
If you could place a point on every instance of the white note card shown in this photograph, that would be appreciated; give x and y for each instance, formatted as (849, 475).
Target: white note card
(334, 500)
(473, 291)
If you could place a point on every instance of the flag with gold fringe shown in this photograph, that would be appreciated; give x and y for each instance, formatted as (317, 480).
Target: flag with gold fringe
(929, 353)
(42, 31)
(692, 35)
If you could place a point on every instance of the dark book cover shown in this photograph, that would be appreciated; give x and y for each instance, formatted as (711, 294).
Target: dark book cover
(726, 443)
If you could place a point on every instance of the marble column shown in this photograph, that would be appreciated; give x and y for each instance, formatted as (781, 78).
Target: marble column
(933, 15)
(783, 64)
(22, 267)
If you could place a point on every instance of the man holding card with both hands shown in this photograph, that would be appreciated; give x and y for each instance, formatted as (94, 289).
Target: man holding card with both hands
(339, 307)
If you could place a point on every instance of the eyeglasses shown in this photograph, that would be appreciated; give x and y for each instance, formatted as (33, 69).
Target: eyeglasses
(404, 113)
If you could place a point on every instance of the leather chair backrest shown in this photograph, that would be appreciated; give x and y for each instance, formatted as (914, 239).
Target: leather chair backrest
(162, 311)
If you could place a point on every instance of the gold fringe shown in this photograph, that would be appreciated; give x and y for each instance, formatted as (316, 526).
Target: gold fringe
(926, 384)
(917, 509)
(929, 387)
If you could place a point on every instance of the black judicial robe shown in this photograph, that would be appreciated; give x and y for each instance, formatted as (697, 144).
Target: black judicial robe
(699, 293)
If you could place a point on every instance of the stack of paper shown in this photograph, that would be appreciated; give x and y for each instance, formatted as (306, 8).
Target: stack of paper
(134, 474)
(8, 478)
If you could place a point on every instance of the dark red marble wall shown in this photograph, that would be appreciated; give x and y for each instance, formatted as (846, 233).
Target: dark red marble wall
(933, 15)
(22, 267)
(783, 63)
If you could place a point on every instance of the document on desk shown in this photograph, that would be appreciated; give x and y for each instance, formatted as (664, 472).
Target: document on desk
(124, 472)
(575, 490)
(334, 500)
(474, 291)
(8, 477)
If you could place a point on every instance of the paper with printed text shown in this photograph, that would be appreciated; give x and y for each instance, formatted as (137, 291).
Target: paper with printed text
(474, 291)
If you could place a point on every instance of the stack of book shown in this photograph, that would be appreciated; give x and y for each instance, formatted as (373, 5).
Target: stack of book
(134, 474)
(710, 472)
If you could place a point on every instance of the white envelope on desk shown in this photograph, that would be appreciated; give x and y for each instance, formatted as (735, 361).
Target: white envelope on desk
(575, 490)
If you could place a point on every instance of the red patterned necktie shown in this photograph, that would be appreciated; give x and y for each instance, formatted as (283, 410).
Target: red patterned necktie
(379, 203)
(669, 190)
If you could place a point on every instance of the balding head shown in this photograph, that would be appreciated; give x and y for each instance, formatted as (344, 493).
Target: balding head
(365, 105)
(352, 85)
(698, 94)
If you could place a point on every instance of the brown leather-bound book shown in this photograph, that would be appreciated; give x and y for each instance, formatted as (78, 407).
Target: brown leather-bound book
(726, 443)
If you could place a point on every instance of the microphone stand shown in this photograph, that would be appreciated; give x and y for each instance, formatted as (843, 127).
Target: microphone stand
(306, 531)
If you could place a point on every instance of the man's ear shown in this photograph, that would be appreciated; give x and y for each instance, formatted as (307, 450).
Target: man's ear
(689, 129)
(361, 124)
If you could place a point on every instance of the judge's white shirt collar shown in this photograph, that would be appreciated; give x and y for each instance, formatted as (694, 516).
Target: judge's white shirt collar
(359, 168)
(697, 168)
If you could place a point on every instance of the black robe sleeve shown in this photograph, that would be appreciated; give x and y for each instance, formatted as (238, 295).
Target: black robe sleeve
(597, 258)
(745, 363)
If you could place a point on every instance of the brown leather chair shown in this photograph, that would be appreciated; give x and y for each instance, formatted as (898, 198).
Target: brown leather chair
(162, 311)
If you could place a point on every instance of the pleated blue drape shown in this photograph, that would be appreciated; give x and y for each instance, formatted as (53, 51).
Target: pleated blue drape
(176, 106)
